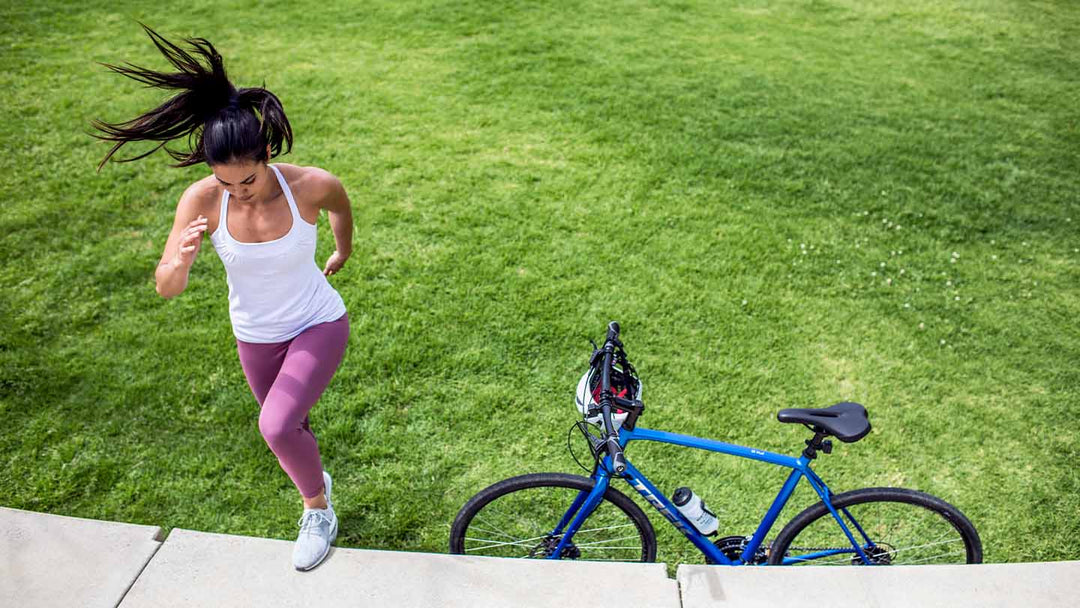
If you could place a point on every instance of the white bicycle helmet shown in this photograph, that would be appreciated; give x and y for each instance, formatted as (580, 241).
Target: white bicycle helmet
(623, 385)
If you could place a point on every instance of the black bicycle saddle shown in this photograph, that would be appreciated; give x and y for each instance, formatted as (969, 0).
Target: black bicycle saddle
(847, 421)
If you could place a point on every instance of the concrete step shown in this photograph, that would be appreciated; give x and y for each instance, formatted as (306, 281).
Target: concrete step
(202, 569)
(52, 560)
(1029, 585)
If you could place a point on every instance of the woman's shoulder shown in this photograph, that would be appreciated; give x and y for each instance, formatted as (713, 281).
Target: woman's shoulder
(309, 183)
(204, 193)
(308, 176)
(201, 198)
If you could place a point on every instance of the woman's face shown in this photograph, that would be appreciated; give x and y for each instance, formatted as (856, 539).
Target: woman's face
(245, 180)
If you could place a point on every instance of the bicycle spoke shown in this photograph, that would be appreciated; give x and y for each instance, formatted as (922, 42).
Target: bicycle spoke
(909, 549)
(496, 532)
(494, 543)
(535, 526)
(602, 529)
(605, 542)
(603, 545)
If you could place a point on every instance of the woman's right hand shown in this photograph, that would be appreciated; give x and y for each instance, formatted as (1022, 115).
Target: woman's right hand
(185, 237)
(190, 240)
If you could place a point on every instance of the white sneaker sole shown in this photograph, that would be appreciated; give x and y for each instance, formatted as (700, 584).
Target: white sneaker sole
(322, 557)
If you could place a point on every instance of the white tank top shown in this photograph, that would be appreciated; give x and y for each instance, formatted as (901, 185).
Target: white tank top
(276, 290)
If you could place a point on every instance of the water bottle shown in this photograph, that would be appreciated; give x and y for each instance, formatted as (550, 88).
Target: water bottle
(693, 508)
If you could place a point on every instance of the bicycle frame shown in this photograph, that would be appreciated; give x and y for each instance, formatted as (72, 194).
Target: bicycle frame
(586, 502)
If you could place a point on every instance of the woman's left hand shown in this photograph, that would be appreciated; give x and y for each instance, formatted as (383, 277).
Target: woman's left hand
(334, 263)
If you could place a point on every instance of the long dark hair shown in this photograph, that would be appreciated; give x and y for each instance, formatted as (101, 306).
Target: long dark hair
(222, 123)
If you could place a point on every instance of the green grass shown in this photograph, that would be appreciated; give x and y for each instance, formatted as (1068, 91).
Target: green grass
(786, 204)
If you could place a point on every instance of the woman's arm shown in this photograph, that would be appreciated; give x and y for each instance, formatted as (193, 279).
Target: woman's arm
(338, 207)
(182, 246)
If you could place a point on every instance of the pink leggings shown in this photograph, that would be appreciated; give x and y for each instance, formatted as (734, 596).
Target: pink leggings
(287, 379)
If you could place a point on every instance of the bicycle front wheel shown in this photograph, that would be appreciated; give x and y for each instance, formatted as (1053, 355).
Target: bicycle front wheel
(891, 526)
(517, 517)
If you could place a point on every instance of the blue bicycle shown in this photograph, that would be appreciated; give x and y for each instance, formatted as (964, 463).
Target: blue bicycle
(562, 516)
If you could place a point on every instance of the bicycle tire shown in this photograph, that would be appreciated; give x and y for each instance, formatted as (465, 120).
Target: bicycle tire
(515, 518)
(906, 527)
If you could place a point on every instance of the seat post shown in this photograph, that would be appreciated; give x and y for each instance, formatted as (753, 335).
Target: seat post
(817, 443)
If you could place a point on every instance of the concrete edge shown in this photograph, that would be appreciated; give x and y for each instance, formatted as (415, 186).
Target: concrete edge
(160, 537)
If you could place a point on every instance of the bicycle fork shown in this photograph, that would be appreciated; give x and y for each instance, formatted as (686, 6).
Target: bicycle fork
(582, 507)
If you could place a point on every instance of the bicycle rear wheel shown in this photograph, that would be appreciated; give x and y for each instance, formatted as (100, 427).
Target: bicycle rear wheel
(517, 517)
(891, 525)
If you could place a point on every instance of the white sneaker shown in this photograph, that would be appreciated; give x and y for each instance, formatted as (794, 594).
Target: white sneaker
(318, 529)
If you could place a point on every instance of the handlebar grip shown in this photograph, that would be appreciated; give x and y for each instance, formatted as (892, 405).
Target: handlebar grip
(613, 330)
(618, 460)
(611, 443)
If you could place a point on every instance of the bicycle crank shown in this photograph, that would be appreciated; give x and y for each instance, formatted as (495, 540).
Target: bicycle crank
(733, 546)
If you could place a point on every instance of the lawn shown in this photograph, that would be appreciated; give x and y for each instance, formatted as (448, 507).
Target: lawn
(785, 204)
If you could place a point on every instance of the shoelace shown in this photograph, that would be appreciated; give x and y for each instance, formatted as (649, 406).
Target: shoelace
(310, 519)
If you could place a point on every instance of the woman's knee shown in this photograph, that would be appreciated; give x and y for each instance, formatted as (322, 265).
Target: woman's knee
(275, 431)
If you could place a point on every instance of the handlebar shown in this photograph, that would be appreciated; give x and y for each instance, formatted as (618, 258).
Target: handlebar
(611, 440)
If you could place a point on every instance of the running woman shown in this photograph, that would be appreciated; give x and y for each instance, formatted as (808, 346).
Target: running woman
(290, 324)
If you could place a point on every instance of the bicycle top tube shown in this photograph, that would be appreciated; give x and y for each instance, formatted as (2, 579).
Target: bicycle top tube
(801, 463)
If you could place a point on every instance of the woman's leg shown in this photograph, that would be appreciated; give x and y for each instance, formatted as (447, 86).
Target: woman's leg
(261, 364)
(309, 363)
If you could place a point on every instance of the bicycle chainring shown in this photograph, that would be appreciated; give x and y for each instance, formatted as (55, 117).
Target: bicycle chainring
(733, 546)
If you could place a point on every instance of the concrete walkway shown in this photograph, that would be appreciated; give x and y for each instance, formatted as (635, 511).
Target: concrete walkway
(50, 560)
(1051, 584)
(200, 569)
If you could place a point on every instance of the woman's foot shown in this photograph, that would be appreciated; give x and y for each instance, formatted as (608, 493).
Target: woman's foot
(318, 529)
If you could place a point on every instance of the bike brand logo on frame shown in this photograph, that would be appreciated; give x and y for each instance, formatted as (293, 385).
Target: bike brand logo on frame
(654, 501)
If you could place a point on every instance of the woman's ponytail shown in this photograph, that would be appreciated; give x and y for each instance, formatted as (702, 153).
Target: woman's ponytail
(276, 130)
(220, 122)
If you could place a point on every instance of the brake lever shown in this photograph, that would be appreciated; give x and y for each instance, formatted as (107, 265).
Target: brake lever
(596, 356)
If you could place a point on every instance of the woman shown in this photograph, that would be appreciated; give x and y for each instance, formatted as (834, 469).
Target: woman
(290, 324)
